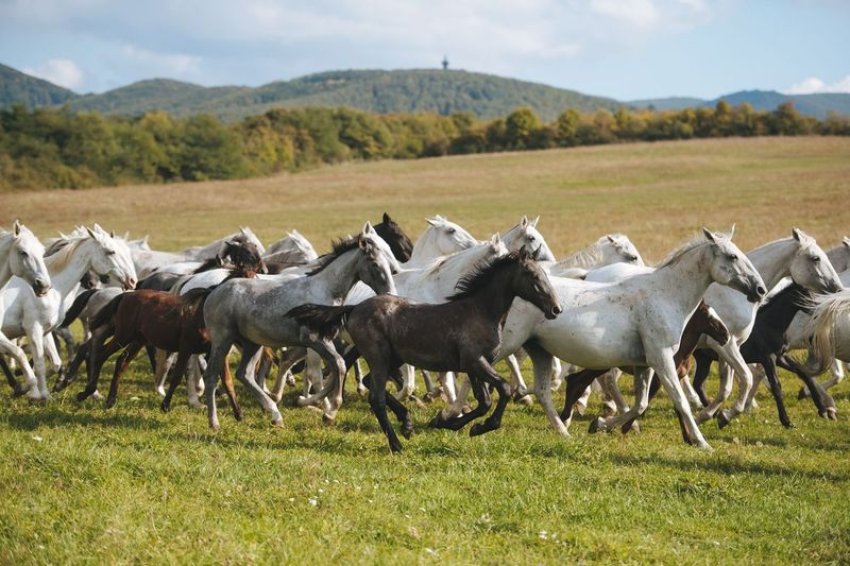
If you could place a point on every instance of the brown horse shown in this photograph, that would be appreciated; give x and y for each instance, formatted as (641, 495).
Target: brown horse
(160, 319)
(462, 335)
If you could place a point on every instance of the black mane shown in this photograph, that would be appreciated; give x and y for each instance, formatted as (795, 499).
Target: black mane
(338, 248)
(473, 282)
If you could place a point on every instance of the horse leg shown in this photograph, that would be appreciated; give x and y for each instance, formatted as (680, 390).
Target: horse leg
(332, 391)
(447, 383)
(288, 358)
(823, 401)
(482, 406)
(162, 362)
(121, 364)
(541, 361)
(491, 377)
(9, 348)
(80, 355)
(626, 419)
(723, 393)
(769, 364)
(97, 358)
(703, 367)
(377, 383)
(35, 337)
(51, 350)
(227, 381)
(408, 375)
(175, 375)
(215, 367)
(609, 384)
(10, 377)
(518, 386)
(577, 384)
(665, 367)
(250, 353)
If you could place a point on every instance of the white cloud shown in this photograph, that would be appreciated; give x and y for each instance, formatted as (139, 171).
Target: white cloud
(639, 13)
(814, 85)
(62, 72)
(170, 64)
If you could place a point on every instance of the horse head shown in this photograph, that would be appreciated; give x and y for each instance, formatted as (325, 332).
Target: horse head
(26, 259)
(376, 268)
(811, 267)
(532, 284)
(111, 257)
(731, 267)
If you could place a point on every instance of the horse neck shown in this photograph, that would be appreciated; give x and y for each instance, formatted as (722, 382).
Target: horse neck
(685, 279)
(495, 298)
(773, 260)
(423, 247)
(590, 256)
(6, 241)
(339, 276)
(839, 256)
(462, 262)
(66, 279)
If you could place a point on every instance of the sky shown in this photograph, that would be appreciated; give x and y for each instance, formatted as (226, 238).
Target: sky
(623, 49)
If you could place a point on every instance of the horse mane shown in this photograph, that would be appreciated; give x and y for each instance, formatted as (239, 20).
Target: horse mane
(212, 263)
(338, 247)
(675, 255)
(63, 249)
(587, 257)
(478, 278)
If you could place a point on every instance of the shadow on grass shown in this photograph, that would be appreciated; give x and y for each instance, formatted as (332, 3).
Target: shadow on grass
(729, 466)
(55, 419)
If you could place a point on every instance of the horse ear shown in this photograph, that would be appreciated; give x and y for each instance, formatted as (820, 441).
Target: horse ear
(846, 241)
(732, 232)
(91, 232)
(368, 229)
(16, 228)
(387, 218)
(112, 233)
(708, 234)
(534, 222)
(611, 238)
(523, 221)
(798, 234)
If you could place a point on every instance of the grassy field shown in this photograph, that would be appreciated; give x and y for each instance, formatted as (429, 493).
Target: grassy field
(81, 484)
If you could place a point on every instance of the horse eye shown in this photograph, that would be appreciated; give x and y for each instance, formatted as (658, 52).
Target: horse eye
(451, 230)
(733, 257)
(110, 252)
(24, 254)
(815, 258)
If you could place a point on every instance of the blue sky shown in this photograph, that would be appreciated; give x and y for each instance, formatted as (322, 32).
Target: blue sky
(624, 49)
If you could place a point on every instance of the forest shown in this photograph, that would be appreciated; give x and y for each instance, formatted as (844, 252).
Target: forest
(49, 148)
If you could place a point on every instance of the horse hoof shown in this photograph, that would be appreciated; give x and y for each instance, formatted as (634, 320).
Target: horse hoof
(165, 407)
(395, 448)
(832, 414)
(596, 425)
(722, 420)
(277, 422)
(407, 431)
(437, 422)
(803, 393)
(526, 400)
(328, 420)
(109, 403)
(632, 425)
(82, 396)
(477, 429)
(788, 425)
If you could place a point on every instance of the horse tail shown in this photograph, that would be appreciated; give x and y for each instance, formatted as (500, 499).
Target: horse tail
(79, 304)
(104, 316)
(324, 319)
(821, 328)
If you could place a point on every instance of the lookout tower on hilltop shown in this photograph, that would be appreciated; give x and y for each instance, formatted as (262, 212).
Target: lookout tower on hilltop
(445, 62)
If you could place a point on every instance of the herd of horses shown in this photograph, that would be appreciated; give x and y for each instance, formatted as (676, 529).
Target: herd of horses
(448, 304)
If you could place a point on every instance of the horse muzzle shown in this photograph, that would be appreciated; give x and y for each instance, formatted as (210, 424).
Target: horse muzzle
(40, 288)
(553, 313)
(128, 283)
(756, 293)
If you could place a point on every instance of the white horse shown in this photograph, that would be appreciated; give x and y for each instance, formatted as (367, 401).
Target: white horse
(611, 248)
(828, 327)
(181, 263)
(636, 322)
(839, 256)
(35, 316)
(797, 256)
(294, 241)
(442, 237)
(21, 255)
(253, 313)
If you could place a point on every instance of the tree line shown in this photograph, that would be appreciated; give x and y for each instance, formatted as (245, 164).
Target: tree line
(57, 148)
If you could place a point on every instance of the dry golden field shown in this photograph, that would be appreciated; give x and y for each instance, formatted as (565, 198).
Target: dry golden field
(658, 194)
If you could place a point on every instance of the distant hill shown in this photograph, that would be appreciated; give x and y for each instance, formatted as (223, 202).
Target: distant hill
(818, 105)
(19, 88)
(443, 92)
(424, 90)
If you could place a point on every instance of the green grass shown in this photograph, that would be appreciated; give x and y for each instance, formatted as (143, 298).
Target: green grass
(81, 484)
